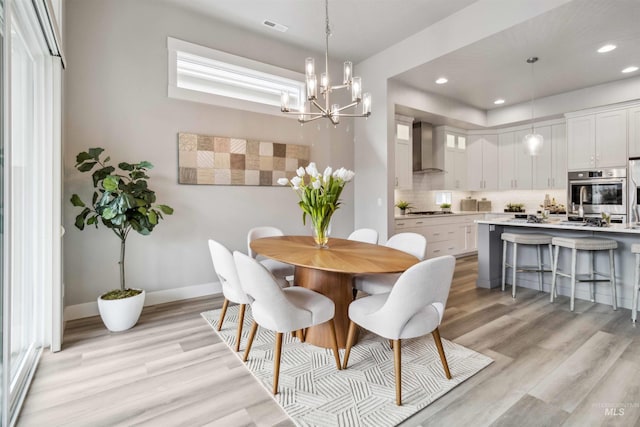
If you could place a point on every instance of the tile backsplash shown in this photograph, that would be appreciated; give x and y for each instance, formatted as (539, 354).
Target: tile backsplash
(423, 195)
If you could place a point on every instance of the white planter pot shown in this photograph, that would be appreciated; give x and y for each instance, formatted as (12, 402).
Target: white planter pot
(121, 314)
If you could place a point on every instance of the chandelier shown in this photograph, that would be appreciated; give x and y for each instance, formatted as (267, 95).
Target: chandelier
(532, 141)
(331, 111)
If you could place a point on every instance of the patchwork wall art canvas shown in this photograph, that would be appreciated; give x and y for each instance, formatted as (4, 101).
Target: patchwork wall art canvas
(217, 160)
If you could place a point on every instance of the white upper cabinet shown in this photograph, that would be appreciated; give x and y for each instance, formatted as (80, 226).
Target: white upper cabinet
(542, 163)
(634, 131)
(597, 140)
(515, 164)
(452, 144)
(550, 166)
(559, 156)
(482, 162)
(611, 139)
(403, 152)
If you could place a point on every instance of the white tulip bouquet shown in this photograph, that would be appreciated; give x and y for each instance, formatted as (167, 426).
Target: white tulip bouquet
(319, 196)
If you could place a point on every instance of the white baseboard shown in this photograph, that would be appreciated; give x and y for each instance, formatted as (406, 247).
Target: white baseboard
(88, 309)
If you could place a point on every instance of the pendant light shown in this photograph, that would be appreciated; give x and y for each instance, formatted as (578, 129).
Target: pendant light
(532, 142)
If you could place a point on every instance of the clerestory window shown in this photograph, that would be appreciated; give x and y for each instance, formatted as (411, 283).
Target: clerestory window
(201, 74)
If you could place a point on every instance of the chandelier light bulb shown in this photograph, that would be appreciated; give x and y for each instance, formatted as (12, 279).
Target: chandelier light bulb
(324, 82)
(366, 104)
(309, 67)
(356, 89)
(284, 101)
(348, 68)
(334, 111)
(312, 87)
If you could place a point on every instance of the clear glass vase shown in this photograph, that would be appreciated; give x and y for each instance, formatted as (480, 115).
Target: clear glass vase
(321, 231)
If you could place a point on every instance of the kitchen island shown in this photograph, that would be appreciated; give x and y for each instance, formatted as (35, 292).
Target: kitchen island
(490, 256)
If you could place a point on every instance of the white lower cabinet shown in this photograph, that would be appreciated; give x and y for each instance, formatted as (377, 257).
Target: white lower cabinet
(446, 235)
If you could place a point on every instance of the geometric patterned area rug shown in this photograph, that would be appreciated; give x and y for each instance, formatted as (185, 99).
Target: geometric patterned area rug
(313, 393)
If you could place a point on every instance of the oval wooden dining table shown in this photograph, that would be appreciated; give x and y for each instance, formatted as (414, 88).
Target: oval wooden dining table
(330, 271)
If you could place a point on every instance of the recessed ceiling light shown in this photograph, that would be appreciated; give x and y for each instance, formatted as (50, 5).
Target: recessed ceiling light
(630, 69)
(498, 101)
(441, 81)
(607, 48)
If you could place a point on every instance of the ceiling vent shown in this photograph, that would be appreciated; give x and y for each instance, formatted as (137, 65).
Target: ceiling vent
(275, 26)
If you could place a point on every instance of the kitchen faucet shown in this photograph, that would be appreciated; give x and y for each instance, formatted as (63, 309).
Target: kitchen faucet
(583, 190)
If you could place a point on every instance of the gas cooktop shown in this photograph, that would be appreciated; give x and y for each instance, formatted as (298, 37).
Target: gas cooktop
(429, 213)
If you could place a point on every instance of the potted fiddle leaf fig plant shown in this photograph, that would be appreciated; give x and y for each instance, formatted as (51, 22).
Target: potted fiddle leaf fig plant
(122, 201)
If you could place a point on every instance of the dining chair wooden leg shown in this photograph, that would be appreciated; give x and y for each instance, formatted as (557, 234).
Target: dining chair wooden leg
(225, 304)
(443, 358)
(355, 293)
(391, 344)
(300, 335)
(243, 307)
(334, 343)
(252, 334)
(350, 338)
(276, 362)
(397, 361)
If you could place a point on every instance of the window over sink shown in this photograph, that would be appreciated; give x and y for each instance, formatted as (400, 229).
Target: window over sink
(443, 197)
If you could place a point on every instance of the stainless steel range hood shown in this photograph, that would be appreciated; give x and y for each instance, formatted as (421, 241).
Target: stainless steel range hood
(425, 156)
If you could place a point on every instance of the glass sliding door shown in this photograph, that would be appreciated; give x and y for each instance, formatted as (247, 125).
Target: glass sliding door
(3, 400)
(29, 243)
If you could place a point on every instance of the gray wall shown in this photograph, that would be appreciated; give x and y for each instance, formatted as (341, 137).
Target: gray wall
(116, 98)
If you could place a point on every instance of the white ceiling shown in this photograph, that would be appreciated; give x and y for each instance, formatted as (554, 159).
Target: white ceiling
(565, 39)
(360, 28)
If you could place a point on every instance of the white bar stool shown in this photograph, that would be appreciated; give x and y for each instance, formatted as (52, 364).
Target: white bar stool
(635, 249)
(585, 244)
(523, 239)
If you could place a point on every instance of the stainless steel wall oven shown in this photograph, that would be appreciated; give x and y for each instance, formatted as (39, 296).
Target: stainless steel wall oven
(593, 192)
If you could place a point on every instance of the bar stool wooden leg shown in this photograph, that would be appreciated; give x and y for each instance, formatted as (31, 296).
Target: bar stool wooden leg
(514, 269)
(636, 290)
(540, 273)
(554, 275)
(612, 279)
(504, 263)
(574, 255)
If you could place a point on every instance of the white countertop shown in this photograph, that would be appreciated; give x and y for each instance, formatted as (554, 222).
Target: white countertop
(562, 224)
(459, 213)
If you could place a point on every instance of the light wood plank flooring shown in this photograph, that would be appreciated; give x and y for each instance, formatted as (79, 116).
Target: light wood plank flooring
(552, 367)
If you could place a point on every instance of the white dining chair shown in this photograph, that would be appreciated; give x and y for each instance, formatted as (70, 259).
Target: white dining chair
(225, 268)
(412, 243)
(413, 308)
(365, 235)
(281, 310)
(283, 272)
